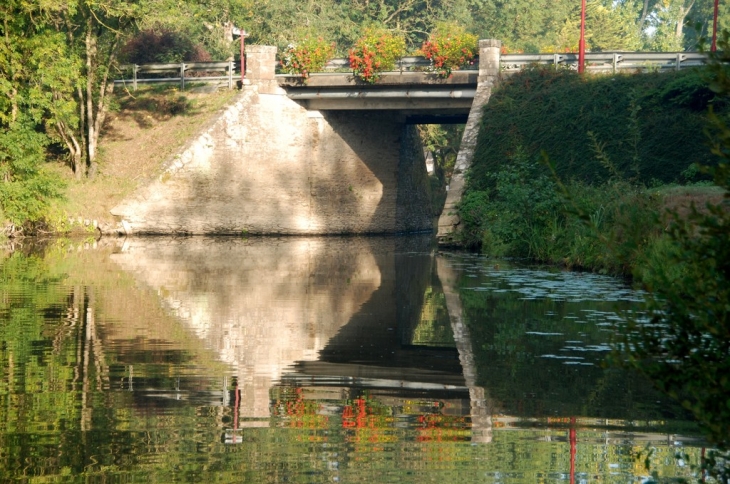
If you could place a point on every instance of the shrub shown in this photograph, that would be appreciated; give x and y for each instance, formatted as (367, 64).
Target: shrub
(376, 51)
(606, 228)
(449, 48)
(26, 189)
(307, 56)
(684, 348)
(652, 122)
(162, 45)
(475, 215)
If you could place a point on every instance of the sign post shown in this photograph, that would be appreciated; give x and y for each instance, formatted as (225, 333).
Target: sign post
(243, 34)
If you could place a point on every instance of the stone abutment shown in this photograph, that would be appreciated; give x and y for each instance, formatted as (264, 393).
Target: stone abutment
(267, 165)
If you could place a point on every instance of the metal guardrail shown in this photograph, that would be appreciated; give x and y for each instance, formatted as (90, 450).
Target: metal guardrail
(607, 61)
(599, 61)
(409, 63)
(595, 61)
(181, 70)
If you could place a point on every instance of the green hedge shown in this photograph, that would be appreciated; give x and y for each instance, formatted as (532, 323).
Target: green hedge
(641, 127)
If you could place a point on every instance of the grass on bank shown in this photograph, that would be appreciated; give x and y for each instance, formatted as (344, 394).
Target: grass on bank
(142, 130)
(616, 227)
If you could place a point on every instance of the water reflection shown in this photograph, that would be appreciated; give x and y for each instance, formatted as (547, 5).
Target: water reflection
(315, 360)
(261, 305)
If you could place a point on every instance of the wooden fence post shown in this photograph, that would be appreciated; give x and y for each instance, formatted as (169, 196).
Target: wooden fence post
(134, 76)
(182, 76)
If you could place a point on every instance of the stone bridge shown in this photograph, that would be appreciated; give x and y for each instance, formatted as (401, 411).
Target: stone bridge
(331, 154)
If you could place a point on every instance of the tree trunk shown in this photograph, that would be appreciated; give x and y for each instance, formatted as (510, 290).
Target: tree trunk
(644, 14)
(96, 110)
(683, 12)
(74, 149)
(92, 135)
(14, 102)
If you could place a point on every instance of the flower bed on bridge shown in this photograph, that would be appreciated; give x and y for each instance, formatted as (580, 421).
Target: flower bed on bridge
(449, 48)
(375, 52)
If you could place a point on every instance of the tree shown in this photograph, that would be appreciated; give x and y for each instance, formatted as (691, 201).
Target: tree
(69, 49)
(205, 22)
(523, 25)
(29, 87)
(685, 346)
(94, 33)
(699, 22)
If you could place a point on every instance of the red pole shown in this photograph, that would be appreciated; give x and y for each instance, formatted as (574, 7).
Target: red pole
(713, 48)
(572, 437)
(582, 42)
(237, 402)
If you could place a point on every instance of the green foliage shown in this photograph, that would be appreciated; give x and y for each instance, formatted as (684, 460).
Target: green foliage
(684, 348)
(610, 26)
(523, 204)
(25, 188)
(474, 213)
(30, 113)
(277, 22)
(67, 96)
(376, 51)
(615, 225)
(306, 56)
(443, 141)
(163, 45)
(649, 121)
(449, 47)
(689, 91)
(527, 213)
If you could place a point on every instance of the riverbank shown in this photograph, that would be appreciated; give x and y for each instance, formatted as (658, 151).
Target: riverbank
(143, 129)
(590, 171)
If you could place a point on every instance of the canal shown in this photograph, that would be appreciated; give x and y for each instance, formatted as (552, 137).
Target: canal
(309, 360)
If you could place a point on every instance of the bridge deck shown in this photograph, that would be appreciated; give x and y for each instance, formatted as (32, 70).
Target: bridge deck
(411, 92)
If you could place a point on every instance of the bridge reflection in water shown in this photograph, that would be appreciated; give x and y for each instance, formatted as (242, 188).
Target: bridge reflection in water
(327, 313)
(335, 327)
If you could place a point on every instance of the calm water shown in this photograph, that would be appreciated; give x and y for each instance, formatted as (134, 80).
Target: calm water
(316, 360)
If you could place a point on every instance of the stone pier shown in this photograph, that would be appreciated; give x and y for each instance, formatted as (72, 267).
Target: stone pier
(489, 57)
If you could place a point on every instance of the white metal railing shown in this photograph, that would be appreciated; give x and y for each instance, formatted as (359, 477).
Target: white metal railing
(181, 70)
(607, 61)
(595, 61)
(409, 63)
